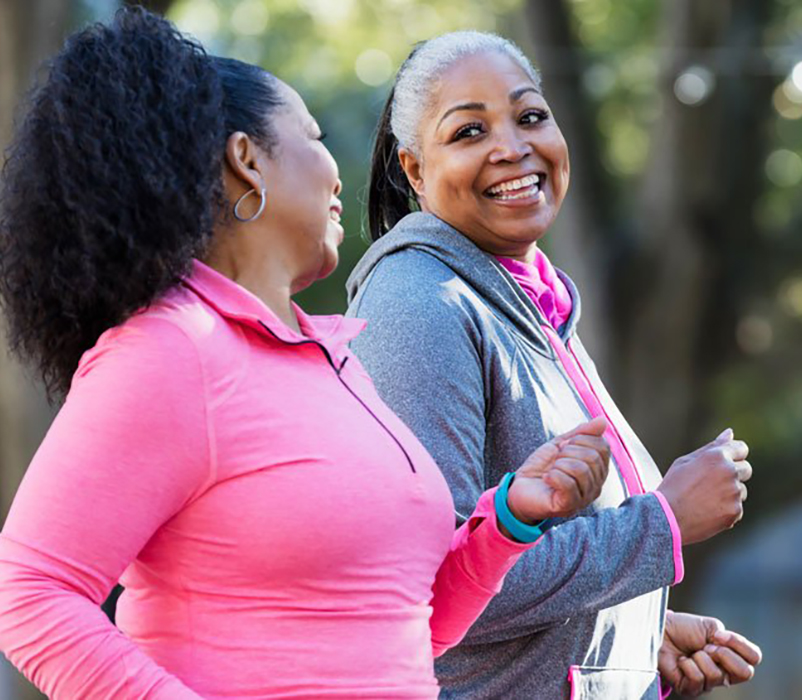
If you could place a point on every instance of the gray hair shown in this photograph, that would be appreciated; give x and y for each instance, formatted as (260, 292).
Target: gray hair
(417, 78)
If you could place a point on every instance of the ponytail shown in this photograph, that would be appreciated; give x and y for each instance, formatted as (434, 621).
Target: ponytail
(390, 196)
(113, 181)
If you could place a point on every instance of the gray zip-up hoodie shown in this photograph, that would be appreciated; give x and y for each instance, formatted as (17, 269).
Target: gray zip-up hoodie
(465, 358)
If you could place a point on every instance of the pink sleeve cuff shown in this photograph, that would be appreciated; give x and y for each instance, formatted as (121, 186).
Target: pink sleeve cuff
(676, 536)
(490, 555)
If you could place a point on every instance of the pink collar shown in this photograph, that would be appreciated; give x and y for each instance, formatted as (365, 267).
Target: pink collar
(543, 286)
(233, 301)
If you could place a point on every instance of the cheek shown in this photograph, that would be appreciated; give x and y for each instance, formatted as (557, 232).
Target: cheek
(455, 180)
(561, 162)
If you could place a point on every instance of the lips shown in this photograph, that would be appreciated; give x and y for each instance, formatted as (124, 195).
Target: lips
(517, 188)
(336, 212)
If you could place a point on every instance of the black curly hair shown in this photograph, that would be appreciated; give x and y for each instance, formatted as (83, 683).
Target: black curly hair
(113, 181)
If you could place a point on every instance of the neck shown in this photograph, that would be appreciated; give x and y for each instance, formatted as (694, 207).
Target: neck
(262, 275)
(527, 255)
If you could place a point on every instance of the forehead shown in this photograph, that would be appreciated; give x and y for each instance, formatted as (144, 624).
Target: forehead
(482, 77)
(294, 107)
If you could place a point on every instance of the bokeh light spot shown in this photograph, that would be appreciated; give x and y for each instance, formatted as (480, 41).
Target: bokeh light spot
(421, 22)
(754, 334)
(373, 67)
(200, 18)
(599, 80)
(250, 17)
(796, 76)
(328, 11)
(694, 85)
(787, 100)
(791, 296)
(784, 168)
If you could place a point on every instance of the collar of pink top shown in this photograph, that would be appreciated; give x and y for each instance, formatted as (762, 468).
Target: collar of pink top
(235, 302)
(543, 286)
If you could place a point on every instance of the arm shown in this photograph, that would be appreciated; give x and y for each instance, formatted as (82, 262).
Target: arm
(471, 574)
(560, 478)
(424, 357)
(126, 452)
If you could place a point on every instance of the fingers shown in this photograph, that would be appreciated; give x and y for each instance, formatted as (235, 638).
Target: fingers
(597, 426)
(749, 651)
(567, 492)
(744, 470)
(713, 673)
(587, 476)
(737, 669)
(596, 456)
(736, 449)
(693, 682)
(540, 460)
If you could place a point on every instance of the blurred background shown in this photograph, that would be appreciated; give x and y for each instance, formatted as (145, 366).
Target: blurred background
(682, 228)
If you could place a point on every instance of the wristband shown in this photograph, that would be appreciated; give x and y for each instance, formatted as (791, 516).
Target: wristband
(520, 531)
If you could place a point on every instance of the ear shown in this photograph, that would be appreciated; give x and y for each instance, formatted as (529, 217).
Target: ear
(242, 159)
(414, 171)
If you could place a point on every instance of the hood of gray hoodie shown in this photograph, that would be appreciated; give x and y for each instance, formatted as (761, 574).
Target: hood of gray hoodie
(425, 232)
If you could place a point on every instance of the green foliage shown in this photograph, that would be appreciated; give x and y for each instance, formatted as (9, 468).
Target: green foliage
(341, 56)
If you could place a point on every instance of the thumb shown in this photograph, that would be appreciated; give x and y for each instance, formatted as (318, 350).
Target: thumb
(726, 436)
(596, 427)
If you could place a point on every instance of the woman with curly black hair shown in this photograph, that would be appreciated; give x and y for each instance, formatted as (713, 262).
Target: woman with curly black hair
(278, 530)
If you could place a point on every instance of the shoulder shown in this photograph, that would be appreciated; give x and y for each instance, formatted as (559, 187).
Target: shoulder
(413, 282)
(160, 346)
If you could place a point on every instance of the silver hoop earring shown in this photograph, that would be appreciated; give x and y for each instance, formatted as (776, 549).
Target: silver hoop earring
(263, 201)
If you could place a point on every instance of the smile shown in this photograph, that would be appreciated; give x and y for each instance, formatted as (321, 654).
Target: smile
(520, 188)
(335, 214)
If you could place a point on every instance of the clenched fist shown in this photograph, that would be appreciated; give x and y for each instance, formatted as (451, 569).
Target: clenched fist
(562, 476)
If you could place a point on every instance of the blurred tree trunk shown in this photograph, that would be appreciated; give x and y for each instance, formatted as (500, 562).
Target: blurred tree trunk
(693, 224)
(690, 250)
(695, 221)
(585, 223)
(30, 30)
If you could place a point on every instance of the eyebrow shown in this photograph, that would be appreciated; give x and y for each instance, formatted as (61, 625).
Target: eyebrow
(515, 95)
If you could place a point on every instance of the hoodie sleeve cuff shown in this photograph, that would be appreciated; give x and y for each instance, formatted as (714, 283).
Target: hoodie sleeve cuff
(676, 536)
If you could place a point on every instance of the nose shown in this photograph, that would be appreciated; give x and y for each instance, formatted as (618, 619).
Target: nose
(338, 188)
(510, 147)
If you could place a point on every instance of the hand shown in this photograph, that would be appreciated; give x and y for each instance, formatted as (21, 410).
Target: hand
(706, 488)
(562, 476)
(698, 654)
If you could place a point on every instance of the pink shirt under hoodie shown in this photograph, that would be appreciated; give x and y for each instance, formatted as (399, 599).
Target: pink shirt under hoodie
(280, 533)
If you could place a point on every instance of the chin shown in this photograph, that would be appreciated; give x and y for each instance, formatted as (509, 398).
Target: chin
(329, 265)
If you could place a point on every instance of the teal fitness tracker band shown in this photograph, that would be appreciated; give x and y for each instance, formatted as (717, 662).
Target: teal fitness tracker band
(520, 531)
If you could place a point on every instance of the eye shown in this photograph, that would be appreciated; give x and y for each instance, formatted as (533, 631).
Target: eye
(323, 136)
(467, 131)
(534, 116)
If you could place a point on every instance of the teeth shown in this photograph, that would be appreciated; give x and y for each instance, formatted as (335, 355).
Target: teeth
(334, 215)
(512, 185)
(519, 195)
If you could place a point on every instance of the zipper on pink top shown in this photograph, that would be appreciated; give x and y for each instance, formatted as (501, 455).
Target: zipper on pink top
(576, 373)
(338, 372)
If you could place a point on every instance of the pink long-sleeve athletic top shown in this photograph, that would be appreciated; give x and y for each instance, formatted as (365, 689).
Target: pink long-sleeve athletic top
(280, 533)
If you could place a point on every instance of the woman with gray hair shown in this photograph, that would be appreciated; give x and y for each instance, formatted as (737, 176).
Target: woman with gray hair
(472, 341)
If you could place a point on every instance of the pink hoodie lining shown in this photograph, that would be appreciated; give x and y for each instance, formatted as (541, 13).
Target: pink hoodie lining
(676, 534)
(592, 403)
(540, 282)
